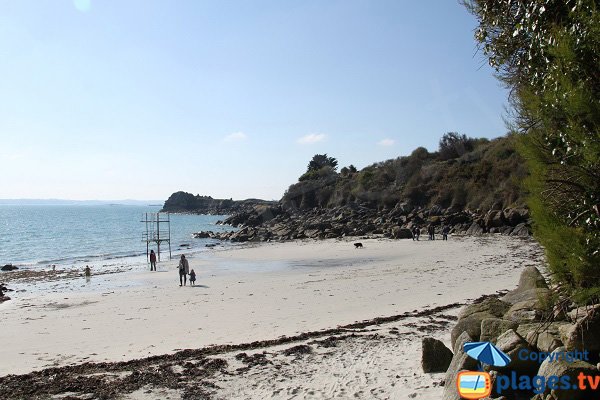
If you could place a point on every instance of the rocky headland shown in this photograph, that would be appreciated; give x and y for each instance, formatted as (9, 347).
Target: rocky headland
(183, 202)
(268, 223)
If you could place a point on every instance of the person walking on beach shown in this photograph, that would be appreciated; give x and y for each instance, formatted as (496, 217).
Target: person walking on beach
(192, 278)
(152, 260)
(431, 231)
(445, 231)
(88, 271)
(416, 233)
(184, 270)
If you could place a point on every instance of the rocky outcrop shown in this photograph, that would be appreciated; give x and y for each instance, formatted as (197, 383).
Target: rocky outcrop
(521, 326)
(264, 223)
(9, 267)
(436, 357)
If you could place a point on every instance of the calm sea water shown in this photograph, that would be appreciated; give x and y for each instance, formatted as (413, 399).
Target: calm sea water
(37, 236)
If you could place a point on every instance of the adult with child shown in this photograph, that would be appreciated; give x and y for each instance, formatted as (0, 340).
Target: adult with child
(184, 270)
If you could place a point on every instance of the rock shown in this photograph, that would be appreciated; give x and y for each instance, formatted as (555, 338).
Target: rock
(9, 267)
(471, 316)
(559, 367)
(525, 312)
(548, 342)
(4, 298)
(460, 362)
(494, 219)
(584, 333)
(474, 229)
(492, 328)
(515, 216)
(435, 356)
(511, 343)
(532, 286)
(521, 230)
(401, 233)
(202, 235)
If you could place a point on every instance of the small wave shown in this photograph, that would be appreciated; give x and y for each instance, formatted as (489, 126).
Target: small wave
(90, 258)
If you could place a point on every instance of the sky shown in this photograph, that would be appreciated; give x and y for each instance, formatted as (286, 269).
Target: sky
(116, 99)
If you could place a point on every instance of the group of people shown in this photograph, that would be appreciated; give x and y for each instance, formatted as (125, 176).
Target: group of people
(184, 269)
(416, 232)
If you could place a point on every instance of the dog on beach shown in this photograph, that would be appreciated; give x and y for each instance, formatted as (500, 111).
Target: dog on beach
(358, 245)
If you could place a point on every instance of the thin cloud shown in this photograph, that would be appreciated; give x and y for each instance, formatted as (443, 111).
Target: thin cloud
(312, 138)
(386, 142)
(236, 137)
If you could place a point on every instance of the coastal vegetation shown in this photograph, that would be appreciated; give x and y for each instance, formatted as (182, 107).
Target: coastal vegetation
(548, 53)
(463, 173)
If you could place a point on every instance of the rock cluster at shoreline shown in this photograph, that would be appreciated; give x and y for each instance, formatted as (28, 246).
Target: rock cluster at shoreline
(265, 223)
(522, 323)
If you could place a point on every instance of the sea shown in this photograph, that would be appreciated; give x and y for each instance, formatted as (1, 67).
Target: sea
(39, 236)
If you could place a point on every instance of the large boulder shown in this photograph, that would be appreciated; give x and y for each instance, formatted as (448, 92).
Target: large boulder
(435, 357)
(562, 368)
(532, 286)
(401, 233)
(471, 316)
(492, 328)
(460, 362)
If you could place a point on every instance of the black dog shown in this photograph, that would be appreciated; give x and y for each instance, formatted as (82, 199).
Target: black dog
(358, 245)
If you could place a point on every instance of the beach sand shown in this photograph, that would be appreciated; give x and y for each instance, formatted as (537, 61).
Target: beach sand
(264, 292)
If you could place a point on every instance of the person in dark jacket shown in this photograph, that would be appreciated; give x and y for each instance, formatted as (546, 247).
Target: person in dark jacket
(152, 260)
(445, 231)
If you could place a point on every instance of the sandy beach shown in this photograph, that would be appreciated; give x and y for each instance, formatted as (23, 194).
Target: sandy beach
(265, 292)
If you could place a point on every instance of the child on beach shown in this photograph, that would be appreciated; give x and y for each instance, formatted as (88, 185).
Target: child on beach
(192, 278)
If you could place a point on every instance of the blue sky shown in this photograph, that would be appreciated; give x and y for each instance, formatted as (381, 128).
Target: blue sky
(119, 99)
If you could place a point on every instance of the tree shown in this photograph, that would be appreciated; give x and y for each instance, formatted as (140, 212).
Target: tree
(321, 160)
(547, 52)
(320, 167)
(453, 145)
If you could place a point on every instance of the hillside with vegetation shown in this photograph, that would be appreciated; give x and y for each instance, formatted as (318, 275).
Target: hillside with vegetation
(464, 173)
